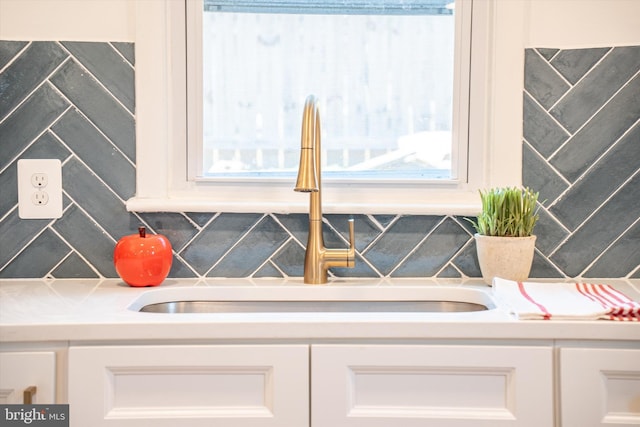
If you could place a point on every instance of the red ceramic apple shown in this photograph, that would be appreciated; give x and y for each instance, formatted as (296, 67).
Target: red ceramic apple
(142, 260)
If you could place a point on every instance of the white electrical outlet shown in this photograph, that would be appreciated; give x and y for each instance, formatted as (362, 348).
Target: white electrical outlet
(39, 188)
(39, 180)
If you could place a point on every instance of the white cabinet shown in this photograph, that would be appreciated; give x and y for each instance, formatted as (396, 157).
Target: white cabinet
(345, 385)
(194, 385)
(599, 387)
(33, 372)
(440, 385)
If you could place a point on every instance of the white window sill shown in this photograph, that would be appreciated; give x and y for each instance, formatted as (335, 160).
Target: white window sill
(458, 203)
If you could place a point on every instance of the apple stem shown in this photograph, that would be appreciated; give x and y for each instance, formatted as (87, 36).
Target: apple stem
(142, 231)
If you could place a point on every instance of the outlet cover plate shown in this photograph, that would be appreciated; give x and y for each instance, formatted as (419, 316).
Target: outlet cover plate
(28, 206)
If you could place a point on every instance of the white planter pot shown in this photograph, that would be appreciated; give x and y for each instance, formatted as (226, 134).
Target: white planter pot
(505, 257)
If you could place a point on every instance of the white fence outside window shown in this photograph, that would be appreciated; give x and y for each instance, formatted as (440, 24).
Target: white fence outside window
(385, 83)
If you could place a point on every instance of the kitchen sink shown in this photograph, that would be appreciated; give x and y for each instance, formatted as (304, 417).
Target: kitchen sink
(311, 306)
(282, 299)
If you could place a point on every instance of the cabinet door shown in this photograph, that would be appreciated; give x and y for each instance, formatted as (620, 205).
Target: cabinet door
(444, 386)
(189, 386)
(22, 370)
(599, 387)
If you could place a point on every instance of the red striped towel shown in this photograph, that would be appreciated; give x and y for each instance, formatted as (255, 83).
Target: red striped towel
(566, 301)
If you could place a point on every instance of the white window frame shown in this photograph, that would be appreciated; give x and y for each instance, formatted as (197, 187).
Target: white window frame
(495, 129)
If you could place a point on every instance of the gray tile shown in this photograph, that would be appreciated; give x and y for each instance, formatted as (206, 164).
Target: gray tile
(174, 226)
(450, 272)
(573, 64)
(365, 230)
(621, 258)
(47, 249)
(180, 270)
(46, 147)
(9, 186)
(467, 260)
(97, 152)
(28, 71)
(385, 220)
(216, 239)
(541, 81)
(296, 224)
(597, 87)
(85, 237)
(540, 130)
(127, 50)
(66, 201)
(543, 269)
(104, 62)
(547, 53)
(435, 252)
(549, 232)
(267, 271)
(97, 200)
(599, 231)
(587, 194)
(16, 233)
(211, 243)
(98, 105)
(360, 269)
(252, 251)
(200, 218)
(8, 50)
(600, 133)
(32, 118)
(398, 240)
(539, 176)
(464, 222)
(332, 238)
(74, 267)
(290, 259)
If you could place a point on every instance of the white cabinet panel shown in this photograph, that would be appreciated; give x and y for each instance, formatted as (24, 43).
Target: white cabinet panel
(378, 385)
(20, 370)
(189, 386)
(600, 387)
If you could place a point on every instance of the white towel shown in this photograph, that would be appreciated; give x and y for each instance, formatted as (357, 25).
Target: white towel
(566, 301)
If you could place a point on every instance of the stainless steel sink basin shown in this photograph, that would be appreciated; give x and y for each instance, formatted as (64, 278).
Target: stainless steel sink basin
(311, 306)
(313, 299)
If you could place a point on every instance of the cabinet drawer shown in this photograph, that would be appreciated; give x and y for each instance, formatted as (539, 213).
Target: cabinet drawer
(378, 385)
(600, 387)
(20, 370)
(189, 386)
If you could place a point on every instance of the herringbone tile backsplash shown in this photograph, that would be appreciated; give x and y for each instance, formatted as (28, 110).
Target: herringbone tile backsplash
(74, 101)
(582, 152)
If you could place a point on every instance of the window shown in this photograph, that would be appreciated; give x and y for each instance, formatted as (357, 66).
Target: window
(166, 183)
(383, 73)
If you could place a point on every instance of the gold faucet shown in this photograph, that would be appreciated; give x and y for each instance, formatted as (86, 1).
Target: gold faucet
(318, 259)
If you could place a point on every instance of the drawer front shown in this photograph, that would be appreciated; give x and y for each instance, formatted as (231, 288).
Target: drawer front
(600, 387)
(380, 385)
(189, 385)
(29, 370)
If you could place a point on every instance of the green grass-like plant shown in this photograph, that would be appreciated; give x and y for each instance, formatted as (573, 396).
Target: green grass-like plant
(507, 212)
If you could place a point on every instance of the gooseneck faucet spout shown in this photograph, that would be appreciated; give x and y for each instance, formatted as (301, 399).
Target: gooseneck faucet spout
(318, 259)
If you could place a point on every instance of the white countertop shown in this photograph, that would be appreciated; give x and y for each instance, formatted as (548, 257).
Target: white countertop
(95, 311)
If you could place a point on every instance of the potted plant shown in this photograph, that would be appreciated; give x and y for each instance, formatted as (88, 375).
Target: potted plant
(504, 240)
